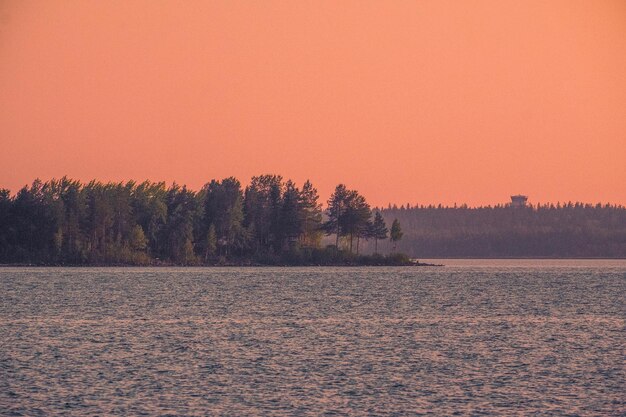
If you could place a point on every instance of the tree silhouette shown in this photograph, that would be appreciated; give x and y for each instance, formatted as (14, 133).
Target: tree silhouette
(274, 222)
(378, 229)
(396, 233)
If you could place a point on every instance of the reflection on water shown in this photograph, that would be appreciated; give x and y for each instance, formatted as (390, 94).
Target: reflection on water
(494, 339)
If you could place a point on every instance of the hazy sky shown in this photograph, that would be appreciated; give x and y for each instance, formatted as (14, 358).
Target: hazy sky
(406, 101)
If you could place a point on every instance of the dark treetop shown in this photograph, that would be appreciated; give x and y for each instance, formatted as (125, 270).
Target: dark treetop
(275, 222)
(271, 221)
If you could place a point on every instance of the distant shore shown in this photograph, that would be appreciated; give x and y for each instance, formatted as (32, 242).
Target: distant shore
(411, 263)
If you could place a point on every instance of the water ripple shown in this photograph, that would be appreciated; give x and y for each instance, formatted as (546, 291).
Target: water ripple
(318, 341)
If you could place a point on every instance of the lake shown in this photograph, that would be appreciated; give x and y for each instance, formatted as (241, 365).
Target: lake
(476, 337)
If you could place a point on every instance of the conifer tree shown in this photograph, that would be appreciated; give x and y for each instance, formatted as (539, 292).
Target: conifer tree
(262, 206)
(223, 208)
(378, 229)
(356, 217)
(312, 215)
(290, 218)
(335, 212)
(396, 233)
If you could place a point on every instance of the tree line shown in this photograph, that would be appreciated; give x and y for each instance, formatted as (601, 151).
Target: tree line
(270, 221)
(560, 230)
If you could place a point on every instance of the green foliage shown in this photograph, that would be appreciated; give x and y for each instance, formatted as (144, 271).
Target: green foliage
(138, 241)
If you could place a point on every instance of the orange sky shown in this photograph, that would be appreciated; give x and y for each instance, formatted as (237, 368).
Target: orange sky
(406, 101)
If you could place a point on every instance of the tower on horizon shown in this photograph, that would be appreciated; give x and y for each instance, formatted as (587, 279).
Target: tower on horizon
(518, 200)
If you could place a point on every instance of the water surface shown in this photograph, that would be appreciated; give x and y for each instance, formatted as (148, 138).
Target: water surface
(475, 337)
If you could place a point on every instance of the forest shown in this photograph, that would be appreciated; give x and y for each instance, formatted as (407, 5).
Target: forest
(562, 230)
(270, 222)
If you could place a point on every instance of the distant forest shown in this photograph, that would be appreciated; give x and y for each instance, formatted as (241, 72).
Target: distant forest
(271, 221)
(564, 230)
(275, 222)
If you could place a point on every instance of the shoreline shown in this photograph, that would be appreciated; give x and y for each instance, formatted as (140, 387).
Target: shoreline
(229, 265)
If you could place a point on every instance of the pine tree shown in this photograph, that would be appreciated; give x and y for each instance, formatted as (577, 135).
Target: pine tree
(335, 211)
(262, 206)
(378, 230)
(396, 233)
(356, 218)
(348, 215)
(223, 208)
(312, 215)
(291, 221)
